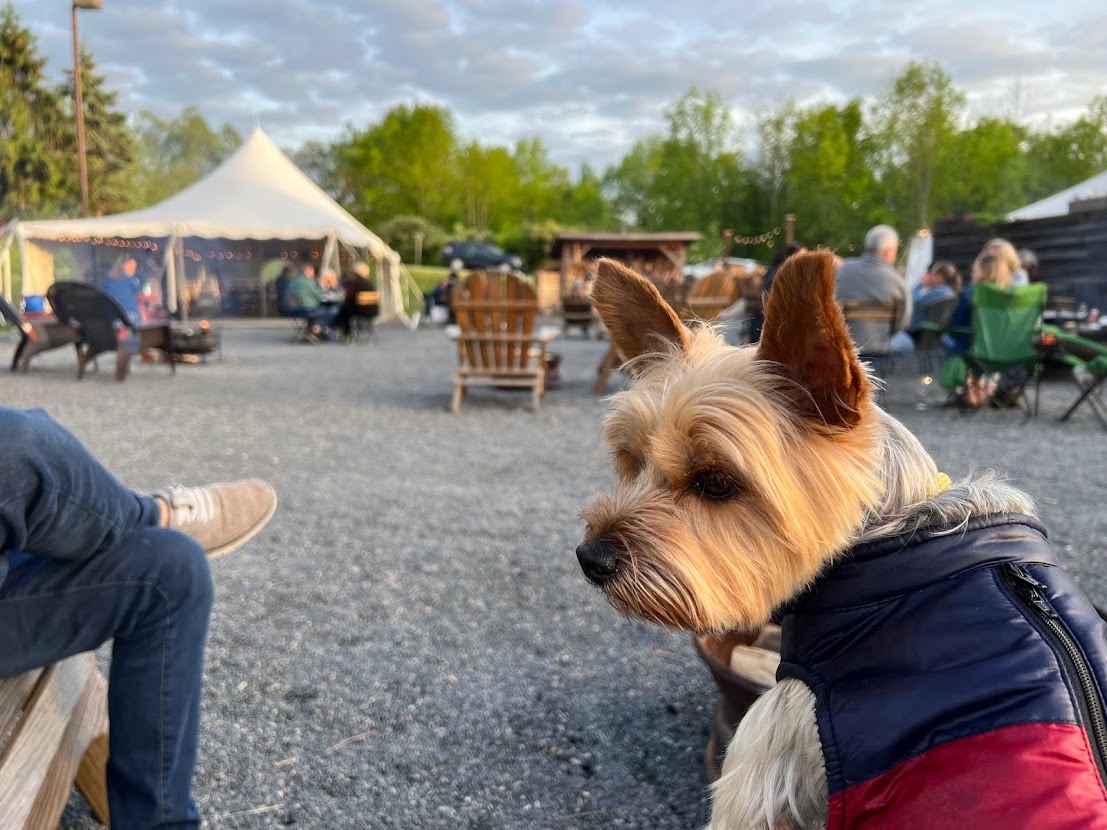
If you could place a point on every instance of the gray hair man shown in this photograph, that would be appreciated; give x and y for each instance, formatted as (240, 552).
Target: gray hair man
(871, 278)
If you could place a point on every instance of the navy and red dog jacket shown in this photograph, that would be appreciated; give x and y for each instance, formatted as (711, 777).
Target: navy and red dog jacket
(960, 683)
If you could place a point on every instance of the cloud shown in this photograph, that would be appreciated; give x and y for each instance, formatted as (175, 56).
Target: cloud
(588, 77)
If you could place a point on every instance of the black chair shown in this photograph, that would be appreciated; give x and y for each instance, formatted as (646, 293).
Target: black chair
(35, 336)
(365, 311)
(102, 323)
(928, 337)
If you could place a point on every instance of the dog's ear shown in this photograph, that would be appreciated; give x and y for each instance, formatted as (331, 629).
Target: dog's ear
(637, 319)
(805, 332)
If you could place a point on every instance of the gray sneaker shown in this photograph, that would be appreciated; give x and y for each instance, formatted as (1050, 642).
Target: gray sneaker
(221, 517)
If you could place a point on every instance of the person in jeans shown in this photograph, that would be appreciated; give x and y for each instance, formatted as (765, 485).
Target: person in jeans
(84, 560)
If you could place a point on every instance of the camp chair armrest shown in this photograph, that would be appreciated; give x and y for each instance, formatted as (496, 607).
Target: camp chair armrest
(1074, 339)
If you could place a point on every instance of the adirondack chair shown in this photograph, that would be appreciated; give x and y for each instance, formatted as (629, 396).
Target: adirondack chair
(496, 341)
(53, 733)
(36, 335)
(710, 296)
(100, 321)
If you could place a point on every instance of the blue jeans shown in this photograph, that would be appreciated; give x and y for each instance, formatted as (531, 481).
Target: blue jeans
(86, 563)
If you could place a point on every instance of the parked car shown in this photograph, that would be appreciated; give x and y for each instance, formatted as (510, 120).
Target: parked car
(459, 254)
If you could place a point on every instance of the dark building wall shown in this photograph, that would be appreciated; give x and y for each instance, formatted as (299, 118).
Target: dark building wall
(1071, 249)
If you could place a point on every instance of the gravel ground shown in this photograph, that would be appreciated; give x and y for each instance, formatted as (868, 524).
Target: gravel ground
(410, 643)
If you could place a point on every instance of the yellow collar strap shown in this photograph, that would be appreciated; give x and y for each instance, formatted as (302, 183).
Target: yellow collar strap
(940, 484)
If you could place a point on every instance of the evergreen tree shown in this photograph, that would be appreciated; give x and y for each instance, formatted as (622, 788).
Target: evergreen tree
(110, 150)
(32, 133)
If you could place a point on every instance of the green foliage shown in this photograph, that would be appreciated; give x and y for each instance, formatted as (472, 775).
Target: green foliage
(399, 234)
(532, 241)
(910, 124)
(175, 152)
(403, 166)
(110, 149)
(34, 169)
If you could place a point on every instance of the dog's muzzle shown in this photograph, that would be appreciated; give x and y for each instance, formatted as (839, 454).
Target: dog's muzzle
(598, 561)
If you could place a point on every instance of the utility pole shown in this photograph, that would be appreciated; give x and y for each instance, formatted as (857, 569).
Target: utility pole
(82, 161)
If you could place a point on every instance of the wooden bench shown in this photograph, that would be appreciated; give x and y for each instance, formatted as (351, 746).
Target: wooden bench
(53, 733)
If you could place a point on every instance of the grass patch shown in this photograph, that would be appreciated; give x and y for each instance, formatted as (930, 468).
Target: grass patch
(427, 276)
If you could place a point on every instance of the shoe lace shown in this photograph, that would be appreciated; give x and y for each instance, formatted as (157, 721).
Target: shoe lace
(189, 505)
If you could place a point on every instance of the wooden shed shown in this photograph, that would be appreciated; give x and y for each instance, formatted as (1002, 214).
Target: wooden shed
(1071, 248)
(573, 250)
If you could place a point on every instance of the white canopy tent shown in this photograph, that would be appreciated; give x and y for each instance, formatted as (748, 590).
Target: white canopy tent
(257, 201)
(1058, 203)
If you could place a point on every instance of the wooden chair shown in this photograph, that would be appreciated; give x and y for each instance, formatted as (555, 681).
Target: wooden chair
(36, 335)
(710, 296)
(496, 341)
(100, 321)
(882, 318)
(53, 733)
(704, 302)
(578, 311)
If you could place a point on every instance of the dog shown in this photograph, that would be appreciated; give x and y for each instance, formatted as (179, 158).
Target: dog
(938, 668)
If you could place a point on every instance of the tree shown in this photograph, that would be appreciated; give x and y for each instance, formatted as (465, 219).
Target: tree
(33, 172)
(110, 149)
(686, 180)
(1066, 156)
(540, 180)
(776, 132)
(175, 152)
(829, 185)
(983, 170)
(584, 204)
(911, 122)
(488, 186)
(405, 165)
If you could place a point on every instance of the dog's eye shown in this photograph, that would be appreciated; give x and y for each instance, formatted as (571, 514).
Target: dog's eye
(715, 485)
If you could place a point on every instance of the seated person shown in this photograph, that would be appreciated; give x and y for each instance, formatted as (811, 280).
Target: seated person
(122, 284)
(280, 288)
(350, 308)
(977, 391)
(940, 282)
(84, 560)
(305, 300)
(871, 278)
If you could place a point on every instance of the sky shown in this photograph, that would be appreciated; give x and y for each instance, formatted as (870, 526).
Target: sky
(589, 78)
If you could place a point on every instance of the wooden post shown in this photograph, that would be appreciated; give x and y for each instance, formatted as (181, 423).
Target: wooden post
(728, 238)
(789, 229)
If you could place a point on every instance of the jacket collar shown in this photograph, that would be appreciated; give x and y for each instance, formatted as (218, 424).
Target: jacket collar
(880, 570)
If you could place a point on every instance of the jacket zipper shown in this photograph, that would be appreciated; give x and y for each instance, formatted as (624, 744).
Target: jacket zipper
(1073, 662)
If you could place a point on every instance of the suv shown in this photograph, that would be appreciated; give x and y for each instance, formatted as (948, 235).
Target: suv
(468, 253)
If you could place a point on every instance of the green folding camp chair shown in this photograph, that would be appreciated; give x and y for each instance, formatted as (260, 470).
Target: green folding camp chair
(1005, 327)
(1089, 361)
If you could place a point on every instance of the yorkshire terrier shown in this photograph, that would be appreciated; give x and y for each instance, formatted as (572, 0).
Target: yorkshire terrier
(938, 667)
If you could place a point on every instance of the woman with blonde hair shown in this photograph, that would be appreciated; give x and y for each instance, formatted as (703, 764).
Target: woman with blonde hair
(1010, 258)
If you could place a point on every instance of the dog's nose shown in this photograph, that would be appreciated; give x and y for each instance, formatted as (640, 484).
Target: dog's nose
(598, 561)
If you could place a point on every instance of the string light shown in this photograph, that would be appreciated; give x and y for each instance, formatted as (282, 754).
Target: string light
(227, 255)
(760, 239)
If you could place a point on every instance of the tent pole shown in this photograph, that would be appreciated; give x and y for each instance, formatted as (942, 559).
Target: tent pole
(6, 266)
(22, 262)
(170, 275)
(182, 306)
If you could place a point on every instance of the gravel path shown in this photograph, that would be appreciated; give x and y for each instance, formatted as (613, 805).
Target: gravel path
(410, 644)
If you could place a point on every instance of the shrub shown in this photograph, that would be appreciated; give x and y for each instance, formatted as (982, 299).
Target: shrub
(399, 234)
